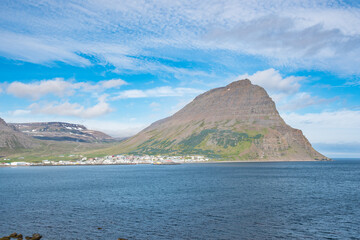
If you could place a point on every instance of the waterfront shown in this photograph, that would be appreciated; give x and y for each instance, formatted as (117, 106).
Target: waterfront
(112, 160)
(190, 201)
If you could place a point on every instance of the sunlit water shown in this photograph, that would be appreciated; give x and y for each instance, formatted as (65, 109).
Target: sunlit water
(191, 201)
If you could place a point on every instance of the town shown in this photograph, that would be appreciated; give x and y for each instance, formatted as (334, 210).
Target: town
(113, 160)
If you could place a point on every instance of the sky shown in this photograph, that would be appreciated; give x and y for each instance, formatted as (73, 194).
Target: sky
(118, 66)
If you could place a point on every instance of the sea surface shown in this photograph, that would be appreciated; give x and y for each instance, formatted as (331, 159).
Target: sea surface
(285, 200)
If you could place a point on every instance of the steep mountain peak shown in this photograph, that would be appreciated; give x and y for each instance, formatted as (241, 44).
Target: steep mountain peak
(238, 121)
(239, 100)
(239, 83)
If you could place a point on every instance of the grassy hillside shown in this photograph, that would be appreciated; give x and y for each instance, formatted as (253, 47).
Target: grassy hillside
(53, 150)
(213, 143)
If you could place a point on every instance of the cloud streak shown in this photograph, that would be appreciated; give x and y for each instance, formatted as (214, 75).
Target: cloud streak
(166, 91)
(273, 82)
(36, 90)
(303, 100)
(283, 42)
(327, 127)
(285, 91)
(305, 34)
(72, 109)
(59, 87)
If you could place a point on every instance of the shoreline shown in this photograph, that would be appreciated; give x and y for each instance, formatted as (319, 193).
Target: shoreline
(249, 161)
(180, 163)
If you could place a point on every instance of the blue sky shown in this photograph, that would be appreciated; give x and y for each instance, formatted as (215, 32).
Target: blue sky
(117, 66)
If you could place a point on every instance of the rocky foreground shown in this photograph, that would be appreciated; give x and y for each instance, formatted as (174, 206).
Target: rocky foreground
(35, 236)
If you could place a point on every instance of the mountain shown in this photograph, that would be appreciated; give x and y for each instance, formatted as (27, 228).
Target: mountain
(235, 122)
(11, 139)
(60, 131)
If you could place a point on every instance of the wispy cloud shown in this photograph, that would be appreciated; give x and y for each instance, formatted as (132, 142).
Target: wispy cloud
(284, 42)
(166, 91)
(285, 91)
(273, 82)
(305, 34)
(303, 100)
(115, 128)
(155, 106)
(73, 109)
(39, 49)
(327, 127)
(19, 112)
(59, 87)
(113, 83)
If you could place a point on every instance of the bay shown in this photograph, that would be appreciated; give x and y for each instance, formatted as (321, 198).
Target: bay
(286, 200)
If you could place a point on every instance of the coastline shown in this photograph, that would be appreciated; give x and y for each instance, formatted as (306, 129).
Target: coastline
(180, 163)
(249, 161)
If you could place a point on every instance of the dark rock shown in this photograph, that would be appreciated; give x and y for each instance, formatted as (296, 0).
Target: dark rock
(13, 235)
(5, 238)
(28, 238)
(99, 228)
(36, 236)
(19, 237)
(122, 238)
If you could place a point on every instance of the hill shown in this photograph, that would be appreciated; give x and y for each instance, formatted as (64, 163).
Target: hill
(235, 122)
(17, 146)
(61, 131)
(11, 139)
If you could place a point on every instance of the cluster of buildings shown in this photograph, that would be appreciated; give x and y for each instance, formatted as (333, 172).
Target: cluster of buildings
(117, 160)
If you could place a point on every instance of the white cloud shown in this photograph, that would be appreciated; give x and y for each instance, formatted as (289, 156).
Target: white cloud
(273, 82)
(285, 91)
(131, 94)
(285, 42)
(298, 33)
(20, 112)
(73, 109)
(115, 128)
(327, 127)
(302, 100)
(39, 49)
(59, 87)
(155, 106)
(157, 92)
(113, 83)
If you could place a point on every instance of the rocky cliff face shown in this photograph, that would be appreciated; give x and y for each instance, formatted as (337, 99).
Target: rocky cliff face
(60, 131)
(10, 138)
(238, 122)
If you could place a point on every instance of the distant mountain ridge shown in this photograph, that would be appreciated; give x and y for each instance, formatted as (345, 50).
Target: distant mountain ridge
(61, 131)
(235, 122)
(11, 139)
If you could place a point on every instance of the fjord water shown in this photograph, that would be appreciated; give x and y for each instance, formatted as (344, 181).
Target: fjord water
(299, 200)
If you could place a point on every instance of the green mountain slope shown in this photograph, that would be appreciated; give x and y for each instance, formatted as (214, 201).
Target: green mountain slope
(235, 122)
